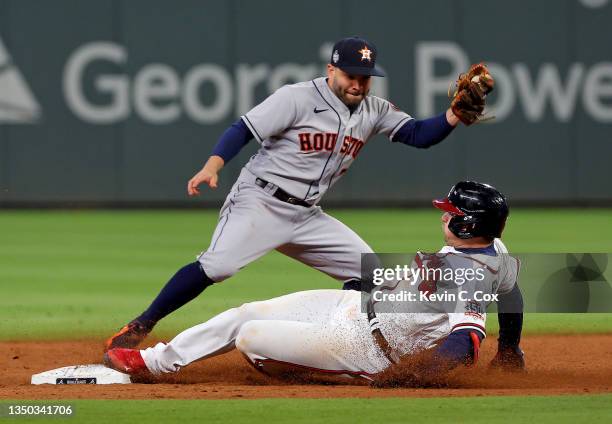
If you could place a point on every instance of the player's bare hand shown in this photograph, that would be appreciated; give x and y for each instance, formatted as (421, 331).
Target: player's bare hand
(208, 175)
(202, 177)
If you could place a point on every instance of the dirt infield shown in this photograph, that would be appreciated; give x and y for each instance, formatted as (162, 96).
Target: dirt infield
(556, 365)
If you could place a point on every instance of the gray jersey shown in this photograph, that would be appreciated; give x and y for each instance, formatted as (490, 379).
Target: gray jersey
(309, 138)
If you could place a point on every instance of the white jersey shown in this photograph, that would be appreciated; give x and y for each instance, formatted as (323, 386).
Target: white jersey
(409, 332)
(309, 138)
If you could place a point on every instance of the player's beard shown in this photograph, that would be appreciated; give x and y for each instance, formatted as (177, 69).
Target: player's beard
(350, 99)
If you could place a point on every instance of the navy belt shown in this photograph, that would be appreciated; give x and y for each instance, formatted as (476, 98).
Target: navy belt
(282, 195)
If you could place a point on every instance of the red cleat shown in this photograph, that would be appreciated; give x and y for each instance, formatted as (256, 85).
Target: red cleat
(128, 361)
(128, 337)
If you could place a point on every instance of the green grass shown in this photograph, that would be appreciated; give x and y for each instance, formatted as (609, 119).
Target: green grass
(82, 274)
(74, 274)
(535, 409)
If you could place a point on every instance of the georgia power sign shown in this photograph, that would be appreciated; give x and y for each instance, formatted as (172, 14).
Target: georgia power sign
(158, 94)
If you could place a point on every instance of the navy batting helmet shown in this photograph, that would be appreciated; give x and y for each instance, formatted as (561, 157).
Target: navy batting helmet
(477, 209)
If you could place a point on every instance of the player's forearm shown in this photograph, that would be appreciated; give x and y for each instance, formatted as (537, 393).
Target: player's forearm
(510, 317)
(214, 164)
(431, 366)
(232, 141)
(458, 348)
(424, 133)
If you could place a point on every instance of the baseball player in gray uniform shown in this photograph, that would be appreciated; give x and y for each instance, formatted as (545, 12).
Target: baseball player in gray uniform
(327, 331)
(310, 133)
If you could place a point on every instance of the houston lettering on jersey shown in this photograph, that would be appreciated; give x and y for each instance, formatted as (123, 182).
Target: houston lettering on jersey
(316, 142)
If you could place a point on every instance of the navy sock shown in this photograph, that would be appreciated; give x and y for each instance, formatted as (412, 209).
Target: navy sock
(352, 285)
(185, 285)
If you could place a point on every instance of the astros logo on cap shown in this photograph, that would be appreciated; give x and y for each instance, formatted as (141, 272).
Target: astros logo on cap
(336, 56)
(365, 53)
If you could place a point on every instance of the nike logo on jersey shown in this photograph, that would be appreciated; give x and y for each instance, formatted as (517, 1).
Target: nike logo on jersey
(319, 110)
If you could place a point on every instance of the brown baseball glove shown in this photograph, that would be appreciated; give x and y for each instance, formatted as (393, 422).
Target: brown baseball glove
(471, 89)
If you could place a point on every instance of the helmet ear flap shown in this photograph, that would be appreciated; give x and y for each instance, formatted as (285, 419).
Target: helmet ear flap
(463, 230)
(471, 229)
(467, 230)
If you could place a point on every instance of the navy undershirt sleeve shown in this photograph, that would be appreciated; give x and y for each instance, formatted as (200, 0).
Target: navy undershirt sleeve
(424, 133)
(458, 347)
(232, 140)
(510, 317)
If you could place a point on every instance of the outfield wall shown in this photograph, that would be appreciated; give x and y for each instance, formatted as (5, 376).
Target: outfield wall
(122, 101)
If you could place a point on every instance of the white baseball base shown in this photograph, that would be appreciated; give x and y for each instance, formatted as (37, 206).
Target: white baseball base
(81, 374)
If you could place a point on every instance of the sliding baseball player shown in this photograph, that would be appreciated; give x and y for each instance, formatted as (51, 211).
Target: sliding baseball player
(328, 330)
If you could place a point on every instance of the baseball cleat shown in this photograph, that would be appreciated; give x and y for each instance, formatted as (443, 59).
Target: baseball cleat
(128, 337)
(128, 361)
